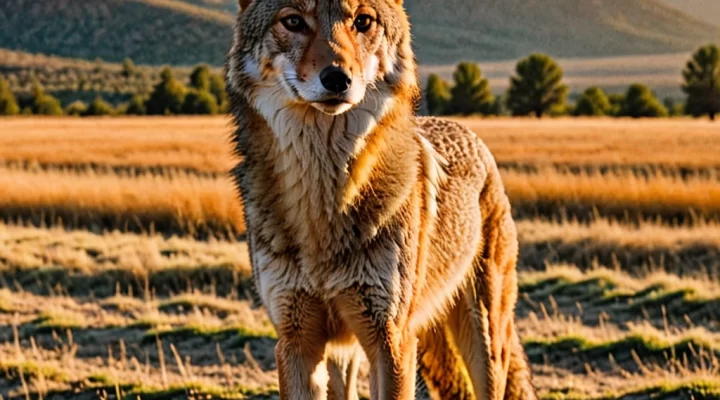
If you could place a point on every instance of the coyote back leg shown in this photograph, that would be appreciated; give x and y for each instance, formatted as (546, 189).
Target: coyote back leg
(444, 372)
(343, 372)
(483, 320)
(441, 366)
(519, 381)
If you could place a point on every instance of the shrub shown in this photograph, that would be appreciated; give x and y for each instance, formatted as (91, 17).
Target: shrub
(200, 102)
(640, 102)
(136, 106)
(76, 108)
(593, 102)
(99, 108)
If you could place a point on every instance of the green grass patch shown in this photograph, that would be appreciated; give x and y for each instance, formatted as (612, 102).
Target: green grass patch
(645, 346)
(703, 389)
(215, 333)
(58, 320)
(186, 303)
(12, 370)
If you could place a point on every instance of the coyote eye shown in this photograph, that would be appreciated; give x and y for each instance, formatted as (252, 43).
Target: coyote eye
(294, 23)
(363, 23)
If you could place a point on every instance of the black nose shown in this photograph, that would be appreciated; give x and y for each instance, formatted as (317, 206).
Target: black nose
(335, 80)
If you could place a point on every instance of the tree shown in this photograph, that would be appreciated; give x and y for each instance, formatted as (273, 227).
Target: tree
(99, 108)
(128, 68)
(76, 108)
(437, 95)
(136, 105)
(168, 96)
(616, 103)
(640, 102)
(537, 86)
(593, 102)
(42, 103)
(702, 82)
(47, 105)
(200, 102)
(8, 102)
(217, 88)
(200, 77)
(471, 93)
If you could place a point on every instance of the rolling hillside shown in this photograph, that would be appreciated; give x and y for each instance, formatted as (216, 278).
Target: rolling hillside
(192, 31)
(148, 31)
(508, 29)
(707, 10)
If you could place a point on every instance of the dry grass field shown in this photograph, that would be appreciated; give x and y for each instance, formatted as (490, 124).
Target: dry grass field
(123, 271)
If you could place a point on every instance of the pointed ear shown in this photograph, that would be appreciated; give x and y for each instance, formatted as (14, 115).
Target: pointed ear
(244, 4)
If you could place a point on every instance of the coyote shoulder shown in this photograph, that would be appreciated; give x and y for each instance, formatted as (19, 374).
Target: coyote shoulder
(370, 230)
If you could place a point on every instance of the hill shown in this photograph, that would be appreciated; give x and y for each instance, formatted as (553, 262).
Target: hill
(148, 31)
(508, 29)
(191, 31)
(706, 10)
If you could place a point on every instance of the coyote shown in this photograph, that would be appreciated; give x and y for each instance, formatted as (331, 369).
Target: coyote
(370, 229)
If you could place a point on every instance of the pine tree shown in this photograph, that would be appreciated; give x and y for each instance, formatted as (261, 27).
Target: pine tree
(471, 93)
(168, 96)
(8, 102)
(536, 87)
(200, 78)
(702, 82)
(42, 103)
(437, 95)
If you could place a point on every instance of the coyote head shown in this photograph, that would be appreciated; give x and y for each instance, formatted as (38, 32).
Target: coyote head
(331, 55)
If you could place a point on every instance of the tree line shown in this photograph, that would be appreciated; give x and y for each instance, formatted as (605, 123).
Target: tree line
(205, 95)
(537, 89)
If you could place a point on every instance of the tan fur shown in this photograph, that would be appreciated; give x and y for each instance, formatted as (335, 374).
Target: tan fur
(369, 229)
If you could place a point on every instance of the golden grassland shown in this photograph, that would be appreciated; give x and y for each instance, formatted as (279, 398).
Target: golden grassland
(616, 194)
(196, 143)
(646, 234)
(181, 203)
(670, 142)
(201, 143)
(184, 202)
(619, 225)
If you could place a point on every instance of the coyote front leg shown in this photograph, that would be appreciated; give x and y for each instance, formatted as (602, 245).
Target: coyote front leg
(390, 347)
(300, 351)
